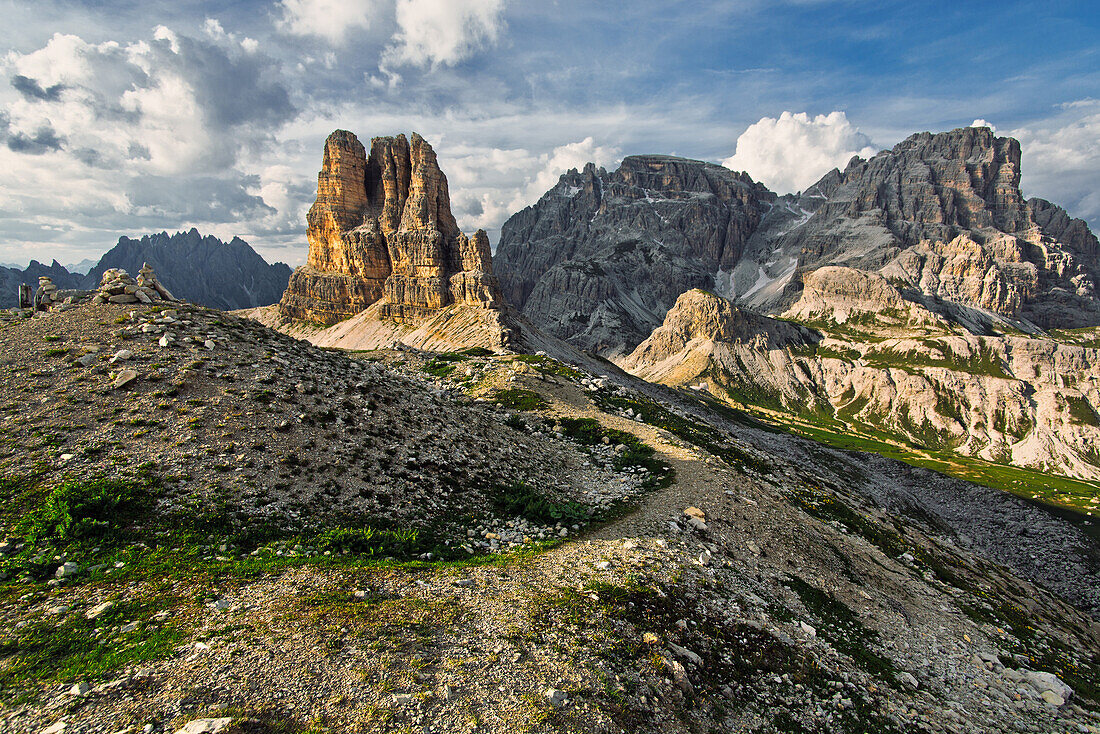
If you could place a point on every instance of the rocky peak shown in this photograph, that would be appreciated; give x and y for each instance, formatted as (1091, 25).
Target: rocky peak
(942, 214)
(703, 323)
(602, 256)
(382, 228)
(934, 185)
(700, 314)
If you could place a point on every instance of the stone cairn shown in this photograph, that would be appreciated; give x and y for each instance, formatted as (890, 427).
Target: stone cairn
(46, 294)
(118, 286)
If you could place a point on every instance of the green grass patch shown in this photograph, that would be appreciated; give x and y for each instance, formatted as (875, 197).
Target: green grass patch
(548, 365)
(522, 500)
(1046, 486)
(837, 623)
(637, 453)
(518, 399)
(693, 431)
(70, 651)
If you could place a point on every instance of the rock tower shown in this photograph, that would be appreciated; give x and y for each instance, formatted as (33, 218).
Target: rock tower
(382, 229)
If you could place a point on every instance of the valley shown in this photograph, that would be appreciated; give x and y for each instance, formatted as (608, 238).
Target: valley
(436, 490)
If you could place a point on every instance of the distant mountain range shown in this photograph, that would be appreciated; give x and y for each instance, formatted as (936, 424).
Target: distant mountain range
(602, 257)
(203, 270)
(937, 313)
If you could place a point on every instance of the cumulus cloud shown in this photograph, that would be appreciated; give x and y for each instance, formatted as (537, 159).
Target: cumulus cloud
(982, 123)
(792, 152)
(485, 191)
(150, 131)
(1061, 159)
(331, 20)
(443, 32)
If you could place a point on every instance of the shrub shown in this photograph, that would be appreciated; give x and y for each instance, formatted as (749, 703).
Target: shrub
(520, 500)
(90, 508)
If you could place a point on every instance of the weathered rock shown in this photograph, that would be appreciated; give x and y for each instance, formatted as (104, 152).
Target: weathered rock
(700, 315)
(124, 378)
(66, 569)
(205, 726)
(943, 214)
(838, 295)
(601, 257)
(382, 228)
(1025, 400)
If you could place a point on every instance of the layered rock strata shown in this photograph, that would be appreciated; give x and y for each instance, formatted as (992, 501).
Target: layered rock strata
(382, 229)
(900, 372)
(602, 256)
(942, 215)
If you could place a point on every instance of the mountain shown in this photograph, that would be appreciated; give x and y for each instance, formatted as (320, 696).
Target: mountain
(11, 278)
(601, 257)
(954, 321)
(387, 261)
(942, 217)
(900, 375)
(199, 269)
(82, 267)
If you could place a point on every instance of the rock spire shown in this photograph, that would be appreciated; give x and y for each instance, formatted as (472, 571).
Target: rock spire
(382, 228)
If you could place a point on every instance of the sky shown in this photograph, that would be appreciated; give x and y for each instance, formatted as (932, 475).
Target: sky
(137, 116)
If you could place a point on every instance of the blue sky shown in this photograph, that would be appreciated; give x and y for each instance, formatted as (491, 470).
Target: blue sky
(121, 118)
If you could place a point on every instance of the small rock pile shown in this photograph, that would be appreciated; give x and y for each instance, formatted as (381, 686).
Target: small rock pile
(46, 294)
(118, 286)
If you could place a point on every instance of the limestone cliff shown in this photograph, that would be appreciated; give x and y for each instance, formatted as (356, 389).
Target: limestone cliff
(602, 256)
(381, 229)
(900, 373)
(942, 215)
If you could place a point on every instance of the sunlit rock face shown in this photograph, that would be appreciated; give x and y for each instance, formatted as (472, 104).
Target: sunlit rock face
(382, 229)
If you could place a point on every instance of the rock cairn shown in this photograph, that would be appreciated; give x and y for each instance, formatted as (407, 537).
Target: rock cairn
(118, 286)
(46, 294)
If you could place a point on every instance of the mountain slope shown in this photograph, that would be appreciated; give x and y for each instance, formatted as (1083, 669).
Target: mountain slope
(940, 297)
(602, 256)
(226, 275)
(907, 376)
(266, 535)
(942, 217)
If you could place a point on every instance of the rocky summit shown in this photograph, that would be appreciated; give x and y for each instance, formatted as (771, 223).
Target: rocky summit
(381, 230)
(942, 217)
(601, 257)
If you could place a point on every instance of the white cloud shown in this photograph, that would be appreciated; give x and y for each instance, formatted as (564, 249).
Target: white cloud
(109, 136)
(444, 32)
(792, 152)
(564, 157)
(484, 180)
(982, 123)
(1061, 159)
(328, 19)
